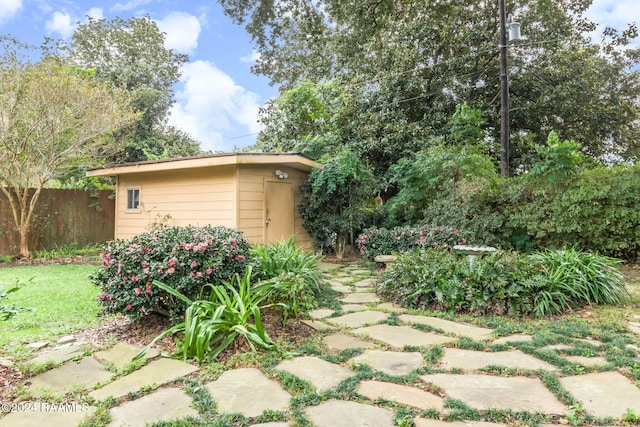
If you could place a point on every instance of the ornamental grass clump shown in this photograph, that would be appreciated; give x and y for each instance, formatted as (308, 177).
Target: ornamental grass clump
(183, 258)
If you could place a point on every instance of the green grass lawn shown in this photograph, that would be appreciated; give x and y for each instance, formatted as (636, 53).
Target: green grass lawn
(63, 299)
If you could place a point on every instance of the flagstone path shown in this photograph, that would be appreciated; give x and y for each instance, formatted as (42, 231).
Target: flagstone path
(376, 351)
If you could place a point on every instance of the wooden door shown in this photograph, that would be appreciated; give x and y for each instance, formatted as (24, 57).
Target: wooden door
(279, 211)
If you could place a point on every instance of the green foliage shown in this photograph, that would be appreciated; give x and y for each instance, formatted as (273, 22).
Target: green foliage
(210, 325)
(541, 284)
(184, 258)
(381, 241)
(283, 257)
(7, 309)
(291, 292)
(334, 200)
(572, 278)
(559, 159)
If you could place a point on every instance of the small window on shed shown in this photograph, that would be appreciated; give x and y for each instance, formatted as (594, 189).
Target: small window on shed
(133, 198)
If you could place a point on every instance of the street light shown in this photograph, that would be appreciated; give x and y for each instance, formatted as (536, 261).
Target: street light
(514, 35)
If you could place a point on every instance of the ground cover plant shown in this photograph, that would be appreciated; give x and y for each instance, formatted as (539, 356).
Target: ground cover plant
(184, 258)
(543, 283)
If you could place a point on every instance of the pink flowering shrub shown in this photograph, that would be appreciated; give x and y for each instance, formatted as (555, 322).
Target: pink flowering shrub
(381, 241)
(185, 258)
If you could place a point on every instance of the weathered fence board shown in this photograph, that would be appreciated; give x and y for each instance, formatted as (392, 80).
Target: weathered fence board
(62, 217)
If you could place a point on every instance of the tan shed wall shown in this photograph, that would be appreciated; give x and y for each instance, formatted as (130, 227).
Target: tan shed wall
(251, 202)
(190, 197)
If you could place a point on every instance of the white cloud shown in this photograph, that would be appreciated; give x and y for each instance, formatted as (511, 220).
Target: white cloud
(8, 8)
(210, 104)
(182, 31)
(252, 57)
(60, 23)
(95, 13)
(130, 5)
(613, 13)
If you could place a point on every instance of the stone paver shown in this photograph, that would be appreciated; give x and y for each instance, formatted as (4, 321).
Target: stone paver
(399, 336)
(318, 325)
(486, 391)
(361, 298)
(557, 347)
(320, 313)
(121, 354)
(68, 414)
(634, 327)
(406, 395)
(365, 283)
(341, 288)
(247, 391)
(161, 405)
(354, 307)
(339, 342)
(390, 362)
(471, 360)
(343, 280)
(84, 373)
(359, 272)
(321, 374)
(273, 424)
(587, 361)
(425, 422)
(156, 372)
(513, 338)
(456, 328)
(360, 318)
(334, 413)
(604, 394)
(59, 355)
(389, 306)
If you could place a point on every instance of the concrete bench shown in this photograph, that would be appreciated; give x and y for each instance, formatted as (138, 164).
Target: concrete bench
(387, 260)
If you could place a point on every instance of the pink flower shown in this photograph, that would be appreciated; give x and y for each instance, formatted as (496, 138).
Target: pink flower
(171, 263)
(144, 264)
(103, 296)
(128, 306)
(199, 274)
(137, 291)
(159, 271)
(110, 297)
(194, 264)
(209, 271)
(192, 274)
(134, 279)
(171, 270)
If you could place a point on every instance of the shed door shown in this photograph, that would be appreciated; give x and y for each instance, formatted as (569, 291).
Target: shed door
(279, 211)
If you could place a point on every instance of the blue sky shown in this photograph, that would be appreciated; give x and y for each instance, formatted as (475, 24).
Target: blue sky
(217, 99)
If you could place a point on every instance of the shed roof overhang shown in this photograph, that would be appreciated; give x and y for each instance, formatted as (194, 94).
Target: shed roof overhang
(293, 160)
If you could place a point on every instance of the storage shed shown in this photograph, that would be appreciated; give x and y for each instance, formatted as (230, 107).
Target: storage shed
(256, 193)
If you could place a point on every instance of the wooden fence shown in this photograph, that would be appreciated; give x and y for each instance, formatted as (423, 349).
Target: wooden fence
(62, 217)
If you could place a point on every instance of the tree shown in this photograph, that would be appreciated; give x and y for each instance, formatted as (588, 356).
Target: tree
(53, 117)
(131, 55)
(405, 65)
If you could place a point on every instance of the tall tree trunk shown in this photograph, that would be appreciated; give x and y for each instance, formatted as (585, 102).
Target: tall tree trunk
(24, 240)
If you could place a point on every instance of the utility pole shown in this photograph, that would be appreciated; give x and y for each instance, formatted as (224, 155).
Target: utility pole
(504, 92)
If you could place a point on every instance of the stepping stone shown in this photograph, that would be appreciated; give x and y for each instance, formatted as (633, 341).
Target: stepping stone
(59, 355)
(156, 372)
(485, 392)
(321, 374)
(342, 280)
(334, 413)
(161, 405)
(341, 288)
(472, 360)
(68, 414)
(360, 318)
(513, 338)
(587, 361)
(68, 339)
(604, 394)
(366, 283)
(38, 345)
(321, 313)
(339, 342)
(460, 329)
(327, 266)
(426, 422)
(634, 327)
(389, 306)
(317, 325)
(557, 347)
(406, 395)
(364, 290)
(273, 424)
(121, 354)
(390, 362)
(361, 298)
(360, 272)
(249, 392)
(399, 336)
(84, 373)
(353, 307)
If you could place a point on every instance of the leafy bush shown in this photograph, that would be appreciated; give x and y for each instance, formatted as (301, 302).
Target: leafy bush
(381, 241)
(210, 325)
(544, 283)
(8, 310)
(290, 292)
(184, 258)
(285, 257)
